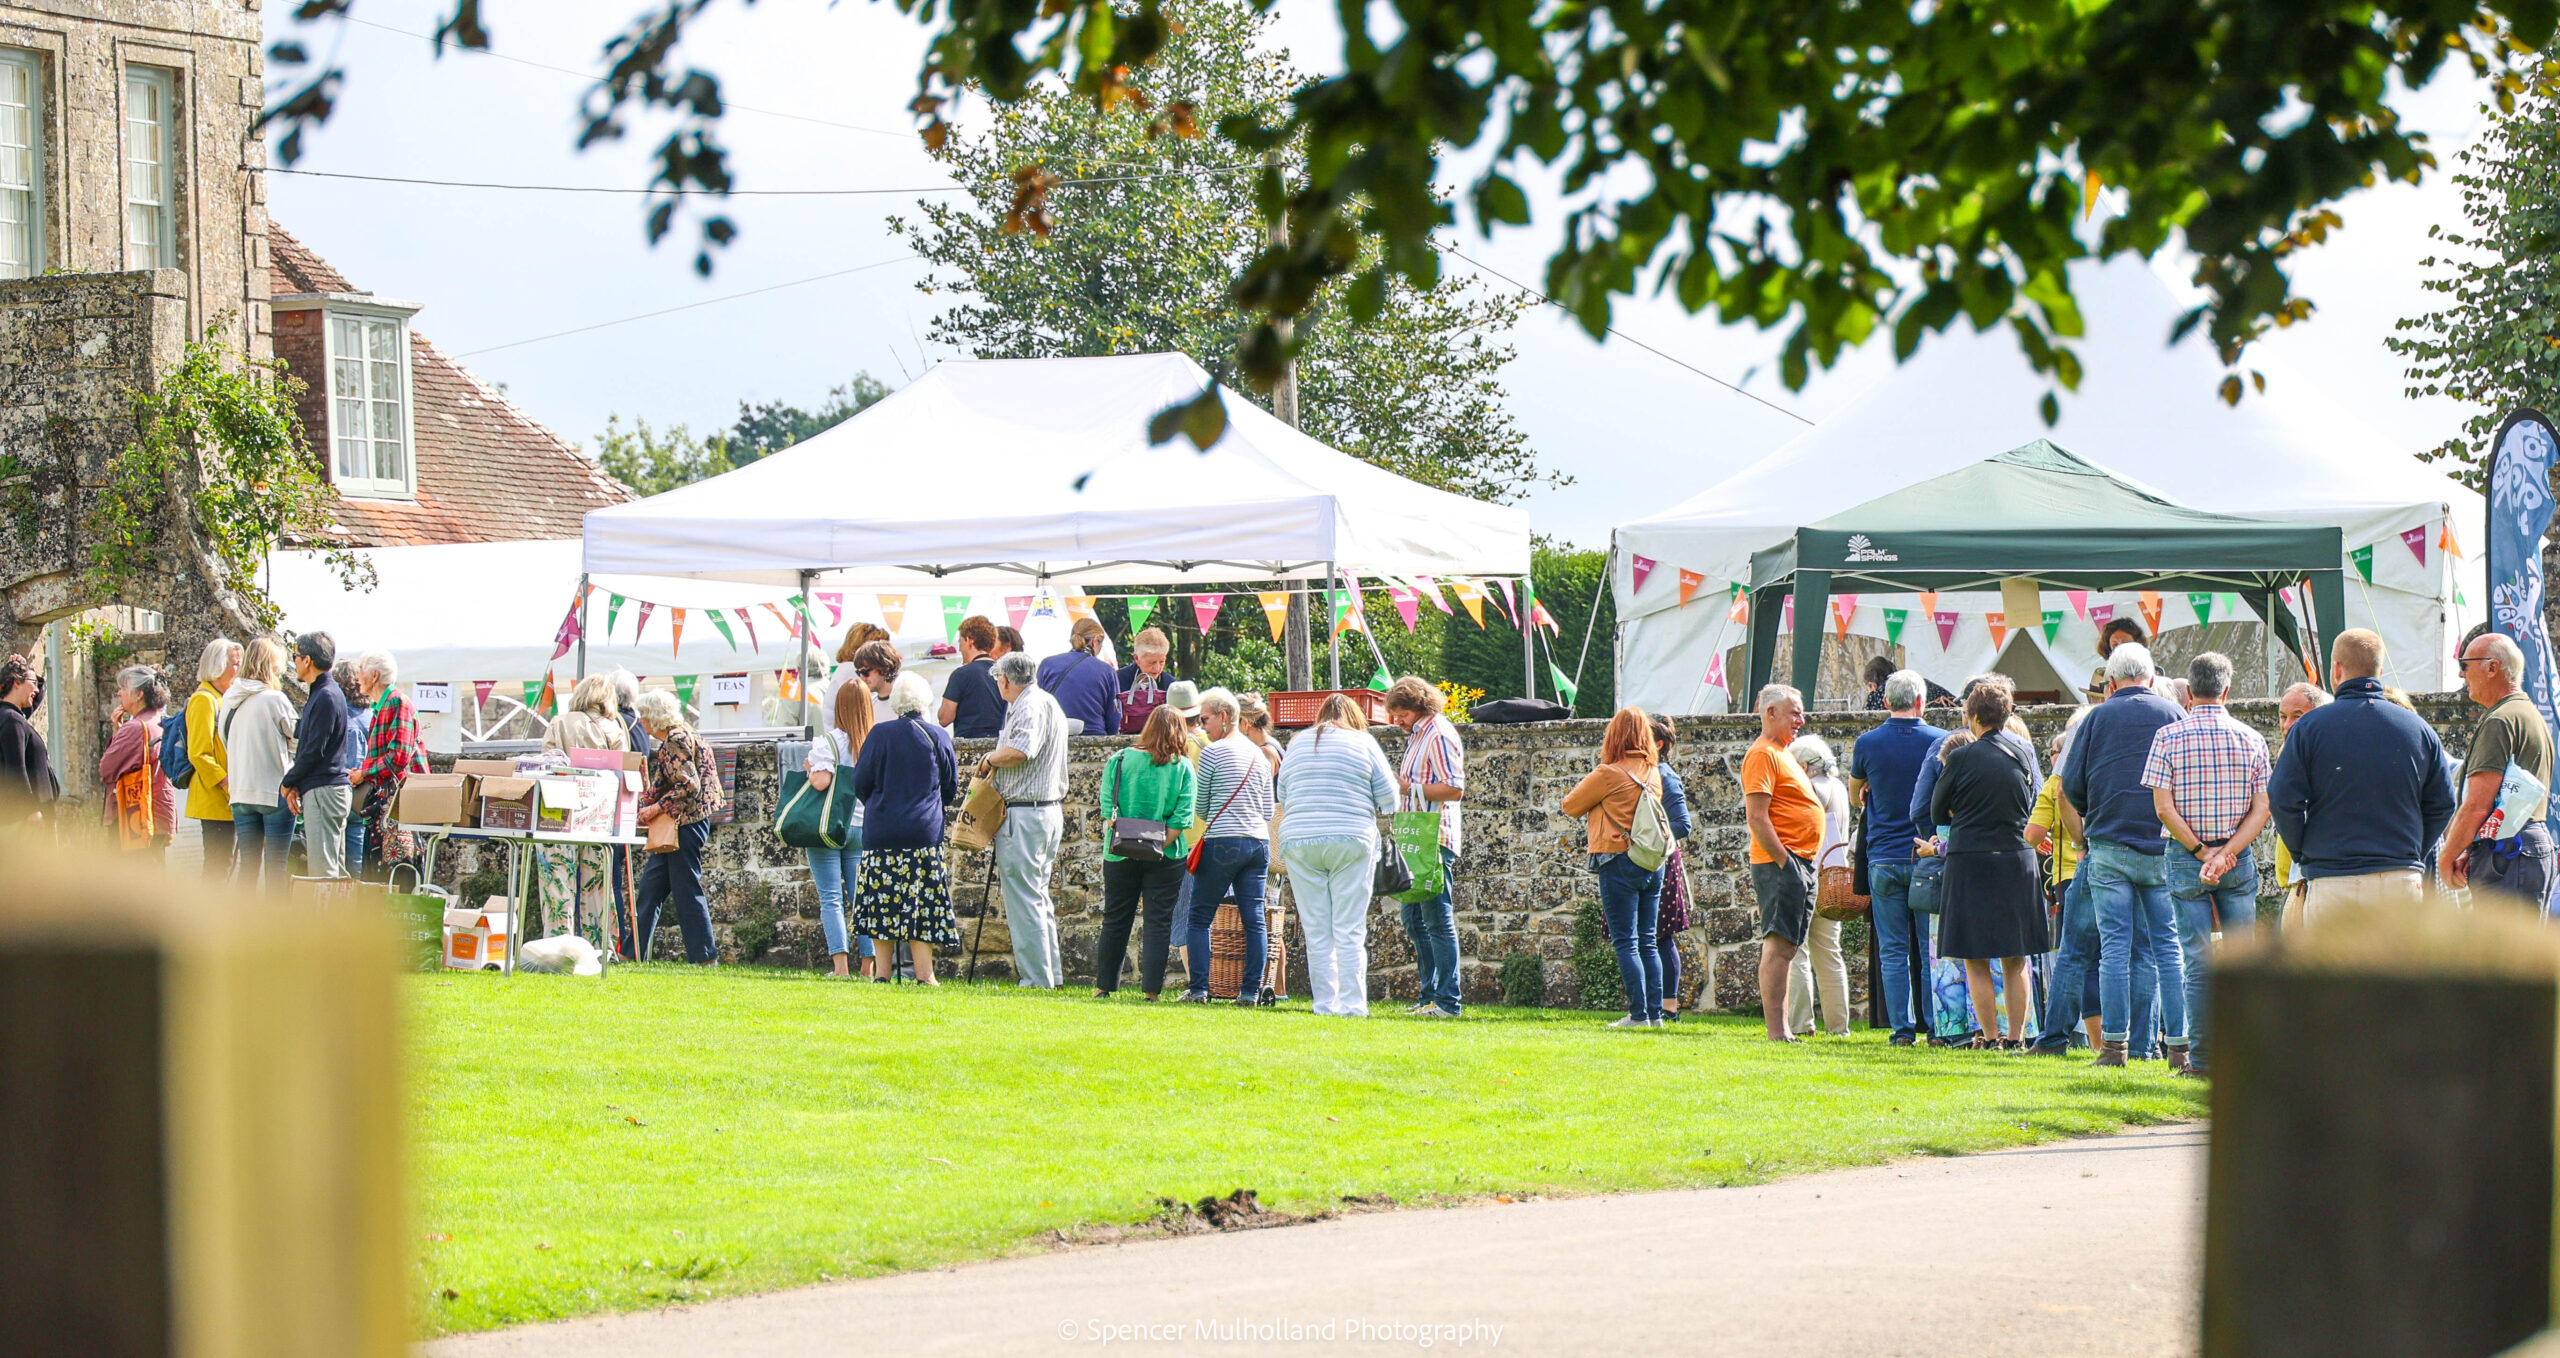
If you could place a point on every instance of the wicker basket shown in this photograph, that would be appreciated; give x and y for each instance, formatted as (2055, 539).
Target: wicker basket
(1302, 709)
(1226, 952)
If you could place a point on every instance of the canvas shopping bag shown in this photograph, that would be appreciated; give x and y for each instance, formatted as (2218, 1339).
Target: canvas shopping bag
(981, 815)
(1418, 834)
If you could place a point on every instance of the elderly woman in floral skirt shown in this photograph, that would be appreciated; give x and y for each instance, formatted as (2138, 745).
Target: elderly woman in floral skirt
(578, 880)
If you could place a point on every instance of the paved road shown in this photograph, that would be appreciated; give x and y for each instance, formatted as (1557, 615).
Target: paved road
(2076, 1247)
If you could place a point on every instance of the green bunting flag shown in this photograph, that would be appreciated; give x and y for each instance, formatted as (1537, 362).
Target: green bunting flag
(2052, 626)
(2203, 605)
(684, 688)
(722, 624)
(612, 610)
(2363, 557)
(1893, 620)
(1563, 685)
(532, 693)
(2228, 603)
(1378, 681)
(1141, 608)
(955, 608)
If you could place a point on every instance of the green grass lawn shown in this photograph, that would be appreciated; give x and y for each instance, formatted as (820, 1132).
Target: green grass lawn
(667, 1134)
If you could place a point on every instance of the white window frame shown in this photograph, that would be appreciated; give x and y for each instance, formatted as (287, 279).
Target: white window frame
(31, 64)
(405, 486)
(163, 82)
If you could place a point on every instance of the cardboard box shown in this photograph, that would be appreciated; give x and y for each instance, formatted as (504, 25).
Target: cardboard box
(439, 799)
(486, 768)
(578, 802)
(508, 803)
(475, 937)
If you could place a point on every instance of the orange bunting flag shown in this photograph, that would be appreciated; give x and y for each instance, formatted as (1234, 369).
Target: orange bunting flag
(1928, 601)
(2151, 609)
(677, 645)
(1999, 629)
(790, 624)
(1275, 611)
(548, 703)
(1689, 582)
(1844, 608)
(2447, 542)
(787, 684)
(1079, 606)
(1472, 595)
(1741, 610)
(893, 611)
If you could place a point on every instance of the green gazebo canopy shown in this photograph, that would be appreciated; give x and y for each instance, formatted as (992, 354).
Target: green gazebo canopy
(2038, 512)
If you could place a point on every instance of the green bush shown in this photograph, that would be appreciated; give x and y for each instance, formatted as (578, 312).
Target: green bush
(1595, 961)
(1523, 981)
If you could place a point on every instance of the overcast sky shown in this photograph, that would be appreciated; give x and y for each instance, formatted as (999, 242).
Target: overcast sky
(817, 97)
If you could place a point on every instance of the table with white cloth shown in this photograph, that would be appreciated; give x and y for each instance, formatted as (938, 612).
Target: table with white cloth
(520, 867)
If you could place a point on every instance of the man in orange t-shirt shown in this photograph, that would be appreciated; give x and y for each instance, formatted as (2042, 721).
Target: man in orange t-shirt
(1786, 832)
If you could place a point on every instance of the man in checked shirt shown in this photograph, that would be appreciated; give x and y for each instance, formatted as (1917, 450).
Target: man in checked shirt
(2208, 778)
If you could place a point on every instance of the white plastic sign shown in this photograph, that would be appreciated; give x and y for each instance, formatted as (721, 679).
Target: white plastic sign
(428, 697)
(728, 690)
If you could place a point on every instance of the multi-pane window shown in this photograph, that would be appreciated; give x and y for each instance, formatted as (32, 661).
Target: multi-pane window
(21, 201)
(368, 416)
(150, 168)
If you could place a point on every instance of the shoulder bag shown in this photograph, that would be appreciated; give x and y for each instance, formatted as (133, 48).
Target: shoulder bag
(1135, 838)
(1649, 830)
(810, 819)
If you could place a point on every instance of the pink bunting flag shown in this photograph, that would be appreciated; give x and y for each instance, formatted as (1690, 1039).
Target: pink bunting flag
(1715, 670)
(1844, 607)
(642, 630)
(834, 600)
(1431, 590)
(568, 633)
(1408, 605)
(2102, 614)
(1787, 617)
(1016, 608)
(748, 620)
(2079, 601)
(1946, 628)
(1509, 608)
(1643, 566)
(2416, 538)
(1540, 617)
(480, 691)
(1205, 608)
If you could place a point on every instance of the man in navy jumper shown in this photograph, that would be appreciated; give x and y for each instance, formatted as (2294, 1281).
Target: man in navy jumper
(2126, 875)
(2359, 792)
(316, 786)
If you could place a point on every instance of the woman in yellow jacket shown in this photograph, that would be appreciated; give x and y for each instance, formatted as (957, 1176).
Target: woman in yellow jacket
(209, 790)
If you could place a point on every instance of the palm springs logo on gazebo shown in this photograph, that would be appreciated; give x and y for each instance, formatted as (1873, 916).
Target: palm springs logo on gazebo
(1861, 549)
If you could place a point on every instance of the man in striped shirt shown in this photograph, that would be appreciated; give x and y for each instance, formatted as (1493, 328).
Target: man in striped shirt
(1235, 849)
(1433, 776)
(2208, 779)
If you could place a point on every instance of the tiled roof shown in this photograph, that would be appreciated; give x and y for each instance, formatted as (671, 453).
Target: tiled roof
(487, 472)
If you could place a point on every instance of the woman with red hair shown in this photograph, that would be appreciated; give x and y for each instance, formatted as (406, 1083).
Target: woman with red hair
(1607, 800)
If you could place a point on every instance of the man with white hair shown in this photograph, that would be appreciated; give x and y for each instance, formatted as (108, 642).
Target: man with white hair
(1029, 769)
(2125, 873)
(1884, 767)
(2360, 791)
(2505, 849)
(1786, 832)
(2208, 779)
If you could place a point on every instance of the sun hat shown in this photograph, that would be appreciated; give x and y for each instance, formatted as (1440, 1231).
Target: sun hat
(1184, 698)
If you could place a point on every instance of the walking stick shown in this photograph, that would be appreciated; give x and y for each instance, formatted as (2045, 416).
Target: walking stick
(981, 913)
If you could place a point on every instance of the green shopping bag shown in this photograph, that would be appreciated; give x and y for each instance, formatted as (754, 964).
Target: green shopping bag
(418, 914)
(1418, 834)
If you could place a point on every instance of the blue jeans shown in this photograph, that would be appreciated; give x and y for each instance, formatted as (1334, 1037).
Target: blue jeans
(673, 881)
(1902, 945)
(1631, 898)
(1433, 927)
(2235, 899)
(261, 834)
(835, 871)
(2075, 967)
(1240, 863)
(2137, 939)
(355, 846)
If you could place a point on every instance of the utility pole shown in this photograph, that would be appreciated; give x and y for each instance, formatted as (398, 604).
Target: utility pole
(1297, 651)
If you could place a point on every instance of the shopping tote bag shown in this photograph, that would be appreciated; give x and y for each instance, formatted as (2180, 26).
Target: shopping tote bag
(1418, 834)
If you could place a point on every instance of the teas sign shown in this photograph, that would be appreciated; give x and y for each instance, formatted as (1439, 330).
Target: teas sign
(728, 690)
(428, 697)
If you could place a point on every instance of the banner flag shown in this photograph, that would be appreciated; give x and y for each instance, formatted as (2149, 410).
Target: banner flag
(1946, 628)
(675, 617)
(1348, 615)
(1141, 607)
(1740, 611)
(1563, 685)
(790, 624)
(2203, 605)
(1894, 618)
(2449, 542)
(748, 621)
(480, 691)
(2520, 508)
(2102, 614)
(1715, 670)
(1999, 629)
(786, 685)
(568, 633)
(1379, 682)
(1643, 566)
(1408, 606)
(1275, 611)
(1472, 595)
(2079, 602)
(893, 611)
(1689, 582)
(1204, 608)
(834, 600)
(1017, 608)
(612, 610)
(1079, 606)
(532, 694)
(641, 628)
(719, 623)
(2363, 559)
(1044, 603)
(2415, 539)
(685, 685)
(2152, 609)
(2052, 625)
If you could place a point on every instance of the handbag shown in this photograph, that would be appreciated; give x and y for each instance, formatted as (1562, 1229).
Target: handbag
(1392, 876)
(1135, 838)
(1835, 896)
(806, 818)
(662, 835)
(1926, 876)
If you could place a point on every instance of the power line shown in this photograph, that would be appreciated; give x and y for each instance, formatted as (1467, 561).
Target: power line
(689, 306)
(731, 193)
(1616, 333)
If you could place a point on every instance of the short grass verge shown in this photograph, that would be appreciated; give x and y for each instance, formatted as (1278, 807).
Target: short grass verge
(667, 1134)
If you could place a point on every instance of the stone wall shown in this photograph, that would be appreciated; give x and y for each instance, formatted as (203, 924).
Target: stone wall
(1521, 880)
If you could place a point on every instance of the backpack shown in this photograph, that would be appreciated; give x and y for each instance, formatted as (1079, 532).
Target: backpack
(1649, 831)
(174, 763)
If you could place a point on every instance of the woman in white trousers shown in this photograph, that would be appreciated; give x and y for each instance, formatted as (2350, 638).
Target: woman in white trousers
(1334, 784)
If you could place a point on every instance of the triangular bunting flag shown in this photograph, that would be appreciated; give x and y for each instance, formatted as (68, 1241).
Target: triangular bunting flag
(641, 628)
(675, 618)
(1509, 609)
(800, 605)
(2079, 602)
(787, 685)
(1379, 682)
(1348, 615)
(1555, 674)
(1540, 617)
(1929, 601)
(955, 610)
(748, 621)
(2363, 559)
(549, 703)
(532, 694)
(790, 624)
(834, 600)
(1017, 608)
(893, 611)
(1787, 617)
(612, 610)
(721, 624)
(1141, 607)
(1431, 590)
(1044, 603)
(2052, 625)
(1715, 670)
(1079, 606)
(1275, 611)
(1740, 609)
(1204, 607)
(1472, 595)
(2151, 610)
(480, 691)
(1894, 618)
(1844, 610)
(1642, 566)
(567, 636)
(685, 686)
(1946, 628)
(1408, 605)
(2203, 605)
(2102, 614)
(2415, 539)
(2451, 544)
(1689, 582)
(1999, 629)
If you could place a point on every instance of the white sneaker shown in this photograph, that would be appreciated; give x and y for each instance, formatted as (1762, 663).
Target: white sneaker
(1631, 1022)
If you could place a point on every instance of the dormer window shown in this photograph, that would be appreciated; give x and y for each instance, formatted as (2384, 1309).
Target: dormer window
(351, 350)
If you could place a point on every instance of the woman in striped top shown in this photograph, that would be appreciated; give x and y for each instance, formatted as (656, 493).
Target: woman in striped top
(1235, 798)
(1434, 775)
(1335, 783)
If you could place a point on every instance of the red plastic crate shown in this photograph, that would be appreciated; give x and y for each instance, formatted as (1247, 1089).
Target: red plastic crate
(1301, 709)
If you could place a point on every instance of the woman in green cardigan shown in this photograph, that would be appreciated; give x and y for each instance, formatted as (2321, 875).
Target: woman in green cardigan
(1151, 780)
